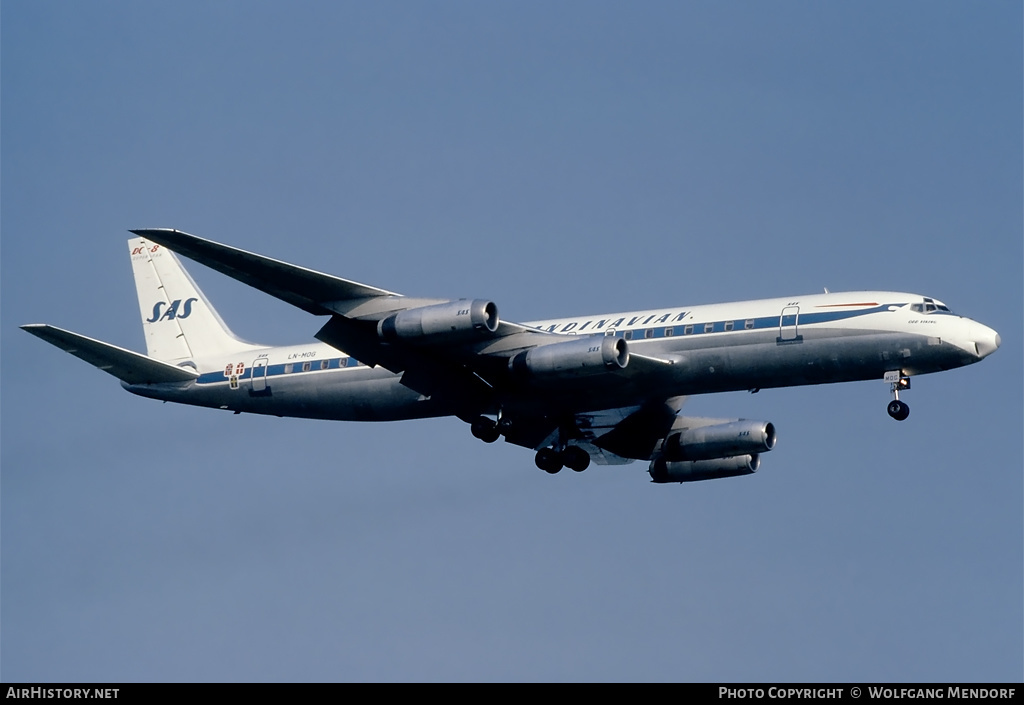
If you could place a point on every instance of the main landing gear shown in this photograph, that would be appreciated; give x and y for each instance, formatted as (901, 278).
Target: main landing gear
(550, 459)
(898, 382)
(573, 457)
(487, 430)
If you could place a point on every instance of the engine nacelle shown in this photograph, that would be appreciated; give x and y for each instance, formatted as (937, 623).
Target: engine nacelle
(693, 470)
(575, 358)
(719, 441)
(455, 320)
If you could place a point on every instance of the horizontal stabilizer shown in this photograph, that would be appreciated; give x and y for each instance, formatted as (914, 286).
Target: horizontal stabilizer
(301, 287)
(127, 366)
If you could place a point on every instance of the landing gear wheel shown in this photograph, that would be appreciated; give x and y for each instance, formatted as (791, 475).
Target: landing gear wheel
(485, 429)
(899, 382)
(576, 459)
(549, 460)
(898, 410)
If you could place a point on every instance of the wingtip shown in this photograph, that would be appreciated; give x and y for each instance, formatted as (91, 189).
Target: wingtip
(146, 231)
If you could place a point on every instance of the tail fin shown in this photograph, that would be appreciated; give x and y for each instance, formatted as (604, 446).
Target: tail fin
(179, 322)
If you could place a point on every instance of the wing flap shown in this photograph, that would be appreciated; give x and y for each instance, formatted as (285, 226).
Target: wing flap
(361, 342)
(126, 365)
(631, 432)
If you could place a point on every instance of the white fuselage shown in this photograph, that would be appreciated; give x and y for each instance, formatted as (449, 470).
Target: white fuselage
(814, 339)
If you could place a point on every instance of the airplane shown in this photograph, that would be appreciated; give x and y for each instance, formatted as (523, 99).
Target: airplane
(604, 388)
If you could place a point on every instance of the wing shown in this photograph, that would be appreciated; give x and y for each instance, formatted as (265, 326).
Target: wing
(457, 350)
(610, 436)
(127, 366)
(305, 288)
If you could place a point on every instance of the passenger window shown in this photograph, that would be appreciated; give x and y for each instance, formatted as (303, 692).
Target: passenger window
(669, 332)
(687, 330)
(729, 325)
(324, 364)
(649, 333)
(306, 366)
(709, 327)
(749, 324)
(628, 335)
(288, 368)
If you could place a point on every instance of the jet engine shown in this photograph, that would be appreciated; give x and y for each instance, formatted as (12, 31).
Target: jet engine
(662, 471)
(576, 358)
(705, 449)
(455, 320)
(719, 441)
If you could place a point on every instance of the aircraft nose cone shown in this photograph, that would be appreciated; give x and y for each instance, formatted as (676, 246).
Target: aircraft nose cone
(986, 340)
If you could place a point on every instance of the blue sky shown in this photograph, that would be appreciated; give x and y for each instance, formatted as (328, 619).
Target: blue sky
(558, 159)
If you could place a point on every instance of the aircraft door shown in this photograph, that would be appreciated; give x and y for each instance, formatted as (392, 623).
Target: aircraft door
(789, 321)
(259, 376)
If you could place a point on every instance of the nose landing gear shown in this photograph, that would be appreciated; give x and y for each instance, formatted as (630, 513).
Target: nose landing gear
(898, 410)
(898, 382)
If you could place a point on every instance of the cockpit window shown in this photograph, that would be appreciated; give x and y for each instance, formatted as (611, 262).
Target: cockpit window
(929, 306)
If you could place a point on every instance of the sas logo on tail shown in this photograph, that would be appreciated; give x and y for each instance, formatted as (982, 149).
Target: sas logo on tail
(172, 311)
